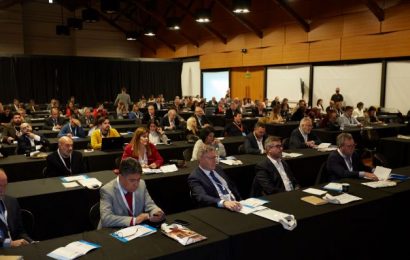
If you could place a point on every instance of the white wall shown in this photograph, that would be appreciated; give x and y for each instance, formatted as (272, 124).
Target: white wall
(191, 78)
(397, 86)
(357, 83)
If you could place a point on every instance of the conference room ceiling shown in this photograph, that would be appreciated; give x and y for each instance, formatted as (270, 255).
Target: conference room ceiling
(137, 15)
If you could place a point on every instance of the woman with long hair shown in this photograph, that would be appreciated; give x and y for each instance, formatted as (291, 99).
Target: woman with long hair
(142, 150)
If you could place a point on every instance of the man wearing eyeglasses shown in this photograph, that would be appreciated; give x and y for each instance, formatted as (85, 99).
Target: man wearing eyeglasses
(209, 185)
(125, 201)
(303, 137)
(273, 175)
(345, 162)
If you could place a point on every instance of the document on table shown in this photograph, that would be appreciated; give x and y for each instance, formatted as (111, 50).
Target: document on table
(251, 205)
(323, 145)
(74, 178)
(73, 250)
(168, 168)
(91, 183)
(150, 171)
(379, 184)
(70, 184)
(129, 233)
(291, 155)
(343, 198)
(288, 221)
(231, 162)
(315, 191)
(382, 173)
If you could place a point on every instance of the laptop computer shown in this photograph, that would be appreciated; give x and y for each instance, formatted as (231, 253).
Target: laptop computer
(112, 143)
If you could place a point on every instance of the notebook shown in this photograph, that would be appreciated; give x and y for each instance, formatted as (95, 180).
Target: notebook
(112, 143)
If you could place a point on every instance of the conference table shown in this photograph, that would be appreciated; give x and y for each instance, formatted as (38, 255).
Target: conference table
(20, 167)
(396, 150)
(382, 130)
(360, 229)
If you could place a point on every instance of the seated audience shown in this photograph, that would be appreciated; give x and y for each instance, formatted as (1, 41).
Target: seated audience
(72, 129)
(104, 131)
(209, 185)
(170, 121)
(12, 233)
(122, 110)
(371, 116)
(87, 120)
(55, 121)
(236, 128)
(192, 129)
(253, 143)
(230, 112)
(345, 162)
(276, 116)
(27, 142)
(125, 200)
(11, 131)
(332, 123)
(156, 134)
(300, 111)
(207, 136)
(65, 161)
(141, 149)
(150, 115)
(200, 117)
(6, 116)
(359, 111)
(347, 119)
(136, 114)
(273, 174)
(302, 137)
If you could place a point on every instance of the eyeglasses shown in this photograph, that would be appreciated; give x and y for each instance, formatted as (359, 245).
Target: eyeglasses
(276, 146)
(350, 145)
(127, 234)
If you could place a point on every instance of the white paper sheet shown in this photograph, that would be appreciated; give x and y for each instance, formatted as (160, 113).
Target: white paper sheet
(315, 191)
(382, 173)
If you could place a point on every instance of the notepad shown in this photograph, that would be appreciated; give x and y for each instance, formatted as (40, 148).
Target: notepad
(314, 200)
(130, 233)
(379, 184)
(183, 235)
(73, 250)
(252, 205)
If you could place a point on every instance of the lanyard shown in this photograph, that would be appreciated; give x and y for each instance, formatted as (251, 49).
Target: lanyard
(132, 213)
(240, 128)
(71, 130)
(65, 165)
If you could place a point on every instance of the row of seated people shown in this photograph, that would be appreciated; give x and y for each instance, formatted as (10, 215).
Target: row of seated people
(125, 201)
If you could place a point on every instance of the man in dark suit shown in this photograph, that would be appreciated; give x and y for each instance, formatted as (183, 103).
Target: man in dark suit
(28, 140)
(236, 128)
(65, 161)
(345, 162)
(201, 118)
(273, 174)
(230, 112)
(209, 185)
(11, 131)
(171, 121)
(87, 120)
(302, 137)
(12, 232)
(150, 115)
(254, 141)
(54, 122)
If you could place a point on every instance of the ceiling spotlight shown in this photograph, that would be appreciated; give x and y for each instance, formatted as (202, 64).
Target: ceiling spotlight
(241, 6)
(149, 31)
(131, 36)
(90, 15)
(110, 6)
(50, 1)
(203, 16)
(75, 23)
(62, 30)
(173, 23)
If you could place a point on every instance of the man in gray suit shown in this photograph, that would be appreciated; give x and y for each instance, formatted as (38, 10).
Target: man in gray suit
(124, 97)
(125, 201)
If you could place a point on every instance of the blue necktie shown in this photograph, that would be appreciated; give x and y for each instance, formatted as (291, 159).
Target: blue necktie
(221, 187)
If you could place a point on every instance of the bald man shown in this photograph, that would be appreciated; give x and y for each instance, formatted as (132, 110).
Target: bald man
(28, 141)
(65, 161)
(12, 233)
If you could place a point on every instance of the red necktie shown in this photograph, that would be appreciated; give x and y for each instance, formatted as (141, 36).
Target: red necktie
(128, 197)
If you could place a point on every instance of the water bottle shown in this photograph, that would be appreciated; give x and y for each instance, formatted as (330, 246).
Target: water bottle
(217, 153)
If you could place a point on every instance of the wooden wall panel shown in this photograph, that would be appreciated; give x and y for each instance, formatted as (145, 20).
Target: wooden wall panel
(397, 18)
(294, 33)
(252, 41)
(11, 31)
(252, 87)
(296, 52)
(397, 44)
(326, 50)
(192, 50)
(360, 24)
(181, 51)
(236, 43)
(273, 55)
(325, 29)
(273, 36)
(366, 46)
(206, 47)
(221, 60)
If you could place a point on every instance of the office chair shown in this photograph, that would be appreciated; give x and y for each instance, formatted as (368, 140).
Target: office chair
(27, 218)
(94, 215)
(322, 176)
(45, 173)
(285, 143)
(187, 154)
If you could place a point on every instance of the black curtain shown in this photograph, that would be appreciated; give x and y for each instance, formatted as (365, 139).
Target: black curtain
(90, 80)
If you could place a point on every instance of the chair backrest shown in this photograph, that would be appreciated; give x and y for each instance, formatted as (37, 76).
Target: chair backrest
(187, 154)
(241, 149)
(322, 176)
(380, 160)
(209, 111)
(94, 215)
(285, 143)
(27, 218)
(45, 174)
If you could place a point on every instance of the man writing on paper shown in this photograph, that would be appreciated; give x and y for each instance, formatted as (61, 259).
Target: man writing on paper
(345, 162)
(12, 233)
(209, 185)
(273, 174)
(65, 161)
(125, 201)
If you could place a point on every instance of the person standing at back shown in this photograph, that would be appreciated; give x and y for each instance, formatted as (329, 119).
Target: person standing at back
(124, 97)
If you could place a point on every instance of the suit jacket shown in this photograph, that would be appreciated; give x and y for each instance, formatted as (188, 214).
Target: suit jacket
(83, 120)
(114, 212)
(165, 122)
(75, 131)
(124, 97)
(147, 118)
(233, 130)
(296, 139)
(204, 192)
(337, 168)
(9, 131)
(268, 180)
(55, 167)
(255, 112)
(229, 113)
(49, 123)
(15, 225)
(251, 145)
(204, 121)
(24, 144)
